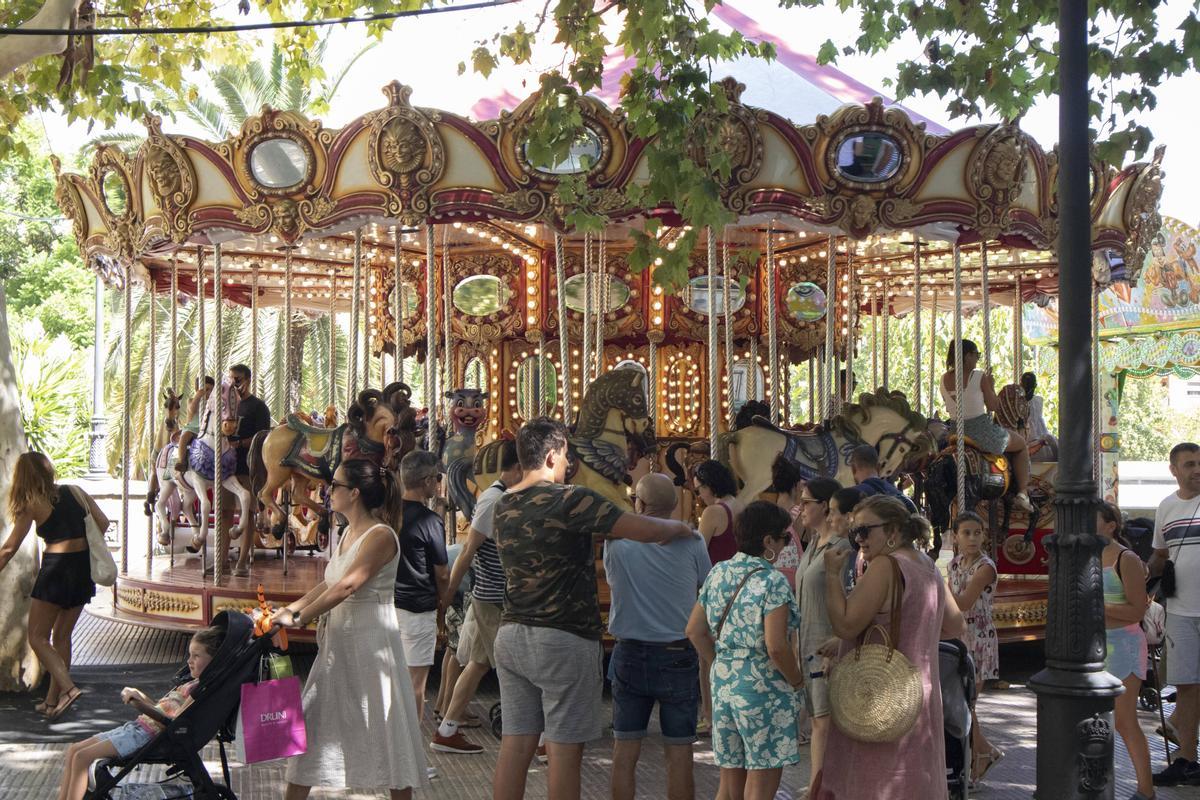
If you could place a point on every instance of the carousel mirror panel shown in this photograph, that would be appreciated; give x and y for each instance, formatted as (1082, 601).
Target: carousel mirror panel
(697, 296)
(532, 381)
(116, 197)
(870, 157)
(618, 293)
(584, 154)
(475, 375)
(481, 295)
(806, 302)
(279, 163)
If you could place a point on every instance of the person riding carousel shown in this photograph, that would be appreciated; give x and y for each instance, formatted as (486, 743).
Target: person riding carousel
(979, 402)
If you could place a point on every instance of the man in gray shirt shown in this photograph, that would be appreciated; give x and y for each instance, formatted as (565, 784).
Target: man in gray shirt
(654, 588)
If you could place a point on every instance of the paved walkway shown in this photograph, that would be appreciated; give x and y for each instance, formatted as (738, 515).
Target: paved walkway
(31, 771)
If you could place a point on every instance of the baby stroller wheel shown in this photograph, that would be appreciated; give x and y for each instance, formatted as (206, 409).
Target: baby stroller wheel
(1148, 698)
(494, 718)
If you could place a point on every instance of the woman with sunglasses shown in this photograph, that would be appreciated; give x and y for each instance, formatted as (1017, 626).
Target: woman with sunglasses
(359, 708)
(821, 515)
(915, 764)
(740, 625)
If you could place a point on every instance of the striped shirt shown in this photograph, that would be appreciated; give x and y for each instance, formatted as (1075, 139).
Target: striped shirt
(489, 575)
(1177, 530)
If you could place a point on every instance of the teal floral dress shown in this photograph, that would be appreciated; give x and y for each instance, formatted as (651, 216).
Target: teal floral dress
(754, 707)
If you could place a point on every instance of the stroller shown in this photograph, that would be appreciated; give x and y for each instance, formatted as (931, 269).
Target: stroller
(212, 713)
(957, 673)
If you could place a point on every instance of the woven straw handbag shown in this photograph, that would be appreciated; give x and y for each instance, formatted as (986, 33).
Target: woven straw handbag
(876, 694)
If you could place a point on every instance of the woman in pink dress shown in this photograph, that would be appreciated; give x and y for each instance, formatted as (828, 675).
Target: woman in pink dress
(914, 765)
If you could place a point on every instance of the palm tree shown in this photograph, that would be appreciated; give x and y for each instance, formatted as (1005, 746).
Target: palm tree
(240, 91)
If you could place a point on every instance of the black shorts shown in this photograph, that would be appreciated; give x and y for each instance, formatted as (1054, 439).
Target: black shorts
(65, 579)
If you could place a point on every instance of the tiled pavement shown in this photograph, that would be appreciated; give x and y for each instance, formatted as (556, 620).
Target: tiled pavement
(31, 771)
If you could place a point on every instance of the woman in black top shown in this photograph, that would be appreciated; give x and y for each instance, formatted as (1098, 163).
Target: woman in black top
(64, 582)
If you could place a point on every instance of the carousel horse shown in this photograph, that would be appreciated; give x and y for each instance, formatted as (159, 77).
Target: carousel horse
(163, 486)
(882, 419)
(379, 427)
(611, 433)
(212, 443)
(988, 477)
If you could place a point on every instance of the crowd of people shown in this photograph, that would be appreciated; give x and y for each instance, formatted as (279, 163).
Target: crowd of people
(732, 629)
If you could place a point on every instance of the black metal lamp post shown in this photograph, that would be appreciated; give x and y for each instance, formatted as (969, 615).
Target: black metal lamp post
(1074, 693)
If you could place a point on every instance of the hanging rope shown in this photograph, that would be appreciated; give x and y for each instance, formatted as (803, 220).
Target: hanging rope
(254, 320)
(713, 380)
(352, 362)
(960, 448)
(885, 358)
(772, 325)
(916, 405)
(987, 308)
(830, 375)
(430, 335)
(332, 336)
(127, 433)
(727, 313)
(398, 310)
(219, 414)
(560, 282)
(289, 399)
(933, 324)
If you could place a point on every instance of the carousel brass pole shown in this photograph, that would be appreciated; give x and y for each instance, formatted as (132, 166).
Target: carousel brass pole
(601, 302)
(560, 281)
(987, 308)
(289, 400)
(127, 433)
(201, 342)
(727, 313)
(153, 426)
(398, 311)
(960, 451)
(367, 317)
(174, 377)
(772, 325)
(1074, 693)
(585, 368)
(430, 336)
(355, 311)
(874, 341)
(851, 322)
(713, 397)
(885, 358)
(1018, 335)
(829, 380)
(222, 547)
(333, 337)
(916, 404)
(447, 344)
(933, 324)
(254, 320)
(812, 408)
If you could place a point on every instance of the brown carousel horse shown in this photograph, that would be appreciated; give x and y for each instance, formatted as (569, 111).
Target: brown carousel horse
(612, 431)
(379, 427)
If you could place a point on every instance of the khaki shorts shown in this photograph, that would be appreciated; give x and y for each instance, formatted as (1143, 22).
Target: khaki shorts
(418, 634)
(484, 620)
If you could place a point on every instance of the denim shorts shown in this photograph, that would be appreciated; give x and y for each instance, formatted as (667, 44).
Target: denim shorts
(127, 739)
(643, 674)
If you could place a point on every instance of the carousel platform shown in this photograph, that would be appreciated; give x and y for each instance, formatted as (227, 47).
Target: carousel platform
(1019, 608)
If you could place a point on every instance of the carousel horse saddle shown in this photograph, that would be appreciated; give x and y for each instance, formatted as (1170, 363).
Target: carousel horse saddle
(318, 438)
(998, 460)
(813, 451)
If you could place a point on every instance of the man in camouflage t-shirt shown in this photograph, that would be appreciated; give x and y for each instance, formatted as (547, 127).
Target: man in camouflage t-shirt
(548, 652)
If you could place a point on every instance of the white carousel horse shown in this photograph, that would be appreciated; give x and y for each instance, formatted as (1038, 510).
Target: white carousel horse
(882, 419)
(170, 485)
(198, 480)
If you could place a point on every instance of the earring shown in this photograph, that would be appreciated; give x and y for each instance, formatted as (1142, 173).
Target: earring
(891, 543)
(769, 554)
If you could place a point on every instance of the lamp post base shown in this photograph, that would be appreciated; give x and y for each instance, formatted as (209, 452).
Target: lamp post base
(1075, 733)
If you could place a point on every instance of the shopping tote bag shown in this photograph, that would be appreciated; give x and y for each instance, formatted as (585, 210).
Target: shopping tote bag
(271, 721)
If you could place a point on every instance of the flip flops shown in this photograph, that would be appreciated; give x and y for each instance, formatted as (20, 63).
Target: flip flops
(65, 702)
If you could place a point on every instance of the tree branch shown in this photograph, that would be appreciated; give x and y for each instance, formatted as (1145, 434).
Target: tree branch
(16, 51)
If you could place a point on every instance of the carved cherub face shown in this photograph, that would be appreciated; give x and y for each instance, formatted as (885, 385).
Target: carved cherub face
(1003, 167)
(401, 146)
(162, 173)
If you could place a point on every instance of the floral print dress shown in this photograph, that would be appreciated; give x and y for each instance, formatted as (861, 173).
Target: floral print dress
(754, 707)
(980, 637)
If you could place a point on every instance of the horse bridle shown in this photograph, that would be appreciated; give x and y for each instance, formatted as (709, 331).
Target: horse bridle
(897, 439)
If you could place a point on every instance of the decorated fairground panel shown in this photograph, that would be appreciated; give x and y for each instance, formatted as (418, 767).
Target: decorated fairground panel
(859, 211)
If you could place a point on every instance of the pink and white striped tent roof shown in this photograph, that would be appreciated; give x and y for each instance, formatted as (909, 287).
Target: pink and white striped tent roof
(794, 85)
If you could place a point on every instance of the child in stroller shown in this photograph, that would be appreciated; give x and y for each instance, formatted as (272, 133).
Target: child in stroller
(126, 740)
(957, 673)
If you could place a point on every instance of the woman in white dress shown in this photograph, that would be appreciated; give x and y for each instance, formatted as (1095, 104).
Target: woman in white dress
(359, 708)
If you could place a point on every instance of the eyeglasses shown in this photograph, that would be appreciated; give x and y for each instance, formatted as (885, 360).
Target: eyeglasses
(807, 500)
(334, 484)
(861, 532)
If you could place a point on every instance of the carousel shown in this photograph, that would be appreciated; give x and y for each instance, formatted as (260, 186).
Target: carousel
(433, 242)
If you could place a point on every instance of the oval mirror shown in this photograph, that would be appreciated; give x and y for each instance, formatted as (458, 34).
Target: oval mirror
(746, 384)
(806, 301)
(480, 295)
(408, 295)
(116, 198)
(532, 381)
(698, 296)
(279, 163)
(618, 293)
(475, 375)
(584, 154)
(869, 157)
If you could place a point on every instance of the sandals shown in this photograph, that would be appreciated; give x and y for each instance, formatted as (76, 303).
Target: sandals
(988, 760)
(1168, 732)
(64, 703)
(42, 708)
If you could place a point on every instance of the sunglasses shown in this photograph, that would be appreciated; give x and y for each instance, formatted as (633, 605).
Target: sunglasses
(861, 532)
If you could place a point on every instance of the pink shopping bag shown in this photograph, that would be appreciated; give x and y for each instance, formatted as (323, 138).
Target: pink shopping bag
(271, 721)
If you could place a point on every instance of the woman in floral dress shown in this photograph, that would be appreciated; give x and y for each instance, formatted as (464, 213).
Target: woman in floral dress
(972, 577)
(740, 624)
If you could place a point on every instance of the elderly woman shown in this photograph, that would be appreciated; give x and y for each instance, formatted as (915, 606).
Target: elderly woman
(740, 624)
(915, 764)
